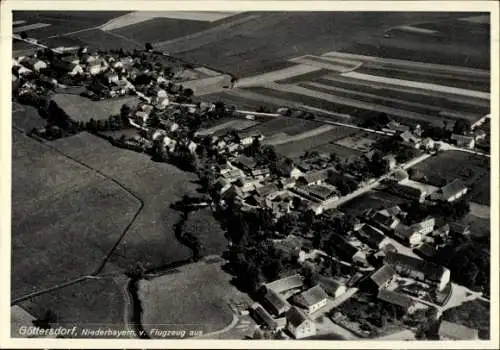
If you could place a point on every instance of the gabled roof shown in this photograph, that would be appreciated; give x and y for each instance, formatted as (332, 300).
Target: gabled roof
(457, 331)
(275, 300)
(395, 298)
(312, 296)
(266, 189)
(314, 176)
(430, 270)
(382, 275)
(287, 283)
(263, 316)
(295, 317)
(453, 188)
(329, 285)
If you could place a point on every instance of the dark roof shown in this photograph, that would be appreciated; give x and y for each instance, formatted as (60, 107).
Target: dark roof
(266, 189)
(370, 235)
(453, 188)
(295, 317)
(246, 162)
(287, 283)
(321, 192)
(329, 285)
(276, 301)
(312, 296)
(382, 275)
(457, 331)
(395, 298)
(411, 191)
(430, 270)
(426, 250)
(262, 316)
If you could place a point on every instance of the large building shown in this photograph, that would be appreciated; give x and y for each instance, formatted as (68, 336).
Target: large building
(275, 302)
(299, 325)
(312, 299)
(418, 269)
(451, 191)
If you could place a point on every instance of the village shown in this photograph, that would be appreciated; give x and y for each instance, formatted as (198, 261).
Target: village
(383, 255)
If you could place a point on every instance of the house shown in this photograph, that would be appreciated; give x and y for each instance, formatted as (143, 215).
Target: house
(312, 178)
(275, 302)
(287, 183)
(303, 167)
(390, 162)
(386, 218)
(418, 269)
(397, 127)
(266, 190)
(321, 192)
(413, 193)
(463, 140)
(455, 331)
(312, 299)
(371, 236)
(299, 325)
(260, 173)
(424, 227)
(451, 191)
(295, 173)
(287, 283)
(459, 229)
(332, 287)
(245, 163)
(381, 277)
(428, 144)
(410, 139)
(343, 248)
(408, 234)
(262, 317)
(402, 300)
(34, 64)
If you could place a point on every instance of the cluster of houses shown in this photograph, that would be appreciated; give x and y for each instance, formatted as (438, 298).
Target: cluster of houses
(289, 308)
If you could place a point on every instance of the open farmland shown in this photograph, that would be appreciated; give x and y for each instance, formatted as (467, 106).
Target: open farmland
(262, 41)
(26, 117)
(52, 199)
(192, 297)
(90, 304)
(341, 151)
(224, 126)
(450, 165)
(151, 238)
(361, 141)
(295, 149)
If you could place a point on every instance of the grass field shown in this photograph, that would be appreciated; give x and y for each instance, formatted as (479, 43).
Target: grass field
(340, 151)
(191, 297)
(26, 117)
(266, 40)
(90, 304)
(282, 125)
(53, 198)
(161, 29)
(455, 164)
(296, 148)
(151, 239)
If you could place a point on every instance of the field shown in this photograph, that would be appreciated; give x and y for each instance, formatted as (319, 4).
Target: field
(288, 126)
(157, 29)
(89, 304)
(375, 199)
(340, 151)
(361, 141)
(445, 167)
(151, 239)
(296, 148)
(201, 287)
(262, 41)
(53, 198)
(26, 117)
(225, 125)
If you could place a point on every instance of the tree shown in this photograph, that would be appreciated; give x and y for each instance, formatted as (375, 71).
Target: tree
(24, 36)
(148, 47)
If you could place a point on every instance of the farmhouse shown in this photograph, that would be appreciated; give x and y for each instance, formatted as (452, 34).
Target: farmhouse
(299, 325)
(331, 287)
(245, 163)
(413, 193)
(408, 234)
(455, 331)
(312, 299)
(263, 317)
(287, 283)
(402, 300)
(463, 140)
(450, 192)
(381, 277)
(387, 218)
(321, 192)
(266, 190)
(313, 178)
(372, 236)
(418, 269)
(275, 302)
